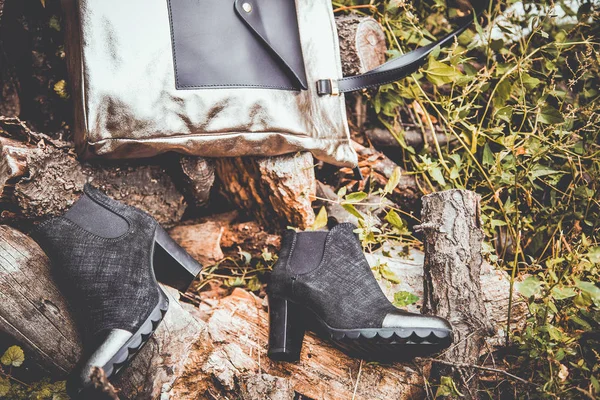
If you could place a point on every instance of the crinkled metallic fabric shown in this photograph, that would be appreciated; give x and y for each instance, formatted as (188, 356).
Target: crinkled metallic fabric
(122, 75)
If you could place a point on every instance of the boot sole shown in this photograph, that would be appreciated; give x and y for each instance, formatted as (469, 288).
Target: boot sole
(288, 319)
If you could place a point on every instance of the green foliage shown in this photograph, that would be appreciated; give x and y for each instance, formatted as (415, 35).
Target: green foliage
(243, 272)
(522, 114)
(12, 388)
(403, 299)
(13, 357)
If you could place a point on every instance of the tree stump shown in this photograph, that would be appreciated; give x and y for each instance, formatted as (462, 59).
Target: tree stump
(452, 288)
(362, 48)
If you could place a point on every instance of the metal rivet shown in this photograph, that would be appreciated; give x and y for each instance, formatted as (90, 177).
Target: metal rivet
(247, 7)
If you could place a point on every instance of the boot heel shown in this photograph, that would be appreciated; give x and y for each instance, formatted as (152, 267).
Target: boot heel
(173, 265)
(286, 330)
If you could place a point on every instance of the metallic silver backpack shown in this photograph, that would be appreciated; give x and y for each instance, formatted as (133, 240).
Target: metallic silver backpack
(214, 77)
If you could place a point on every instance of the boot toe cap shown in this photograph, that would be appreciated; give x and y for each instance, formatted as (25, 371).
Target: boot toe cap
(415, 321)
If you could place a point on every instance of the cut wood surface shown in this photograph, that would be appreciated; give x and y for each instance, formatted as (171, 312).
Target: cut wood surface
(362, 44)
(362, 48)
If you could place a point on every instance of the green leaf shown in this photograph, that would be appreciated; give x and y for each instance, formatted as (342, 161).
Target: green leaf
(13, 357)
(561, 293)
(267, 255)
(352, 210)
(394, 180)
(245, 256)
(530, 286)
(447, 388)
(504, 113)
(539, 170)
(550, 115)
(403, 299)
(388, 274)
(502, 93)
(593, 254)
(529, 81)
(436, 174)
(488, 156)
(394, 219)
(595, 383)
(439, 73)
(320, 220)
(554, 332)
(590, 289)
(355, 197)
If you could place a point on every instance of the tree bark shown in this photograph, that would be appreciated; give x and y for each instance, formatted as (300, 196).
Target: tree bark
(44, 180)
(277, 191)
(198, 178)
(383, 139)
(452, 288)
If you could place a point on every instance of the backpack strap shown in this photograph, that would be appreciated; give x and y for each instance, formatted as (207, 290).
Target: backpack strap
(396, 68)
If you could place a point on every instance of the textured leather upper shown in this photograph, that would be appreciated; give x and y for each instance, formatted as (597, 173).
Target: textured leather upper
(107, 281)
(340, 288)
(339, 285)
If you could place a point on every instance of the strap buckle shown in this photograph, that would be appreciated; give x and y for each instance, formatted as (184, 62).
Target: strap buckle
(328, 86)
(335, 89)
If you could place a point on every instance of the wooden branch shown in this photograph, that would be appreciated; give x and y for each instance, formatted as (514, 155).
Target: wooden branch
(453, 237)
(382, 139)
(44, 180)
(34, 313)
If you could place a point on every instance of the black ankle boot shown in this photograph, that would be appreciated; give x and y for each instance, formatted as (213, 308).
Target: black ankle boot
(323, 282)
(106, 257)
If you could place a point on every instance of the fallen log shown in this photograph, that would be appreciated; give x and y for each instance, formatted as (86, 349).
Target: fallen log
(232, 363)
(43, 180)
(383, 139)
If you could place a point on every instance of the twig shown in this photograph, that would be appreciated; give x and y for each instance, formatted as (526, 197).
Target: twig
(357, 379)
(30, 134)
(479, 367)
